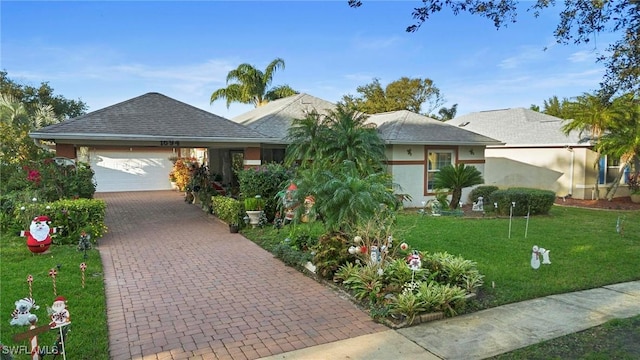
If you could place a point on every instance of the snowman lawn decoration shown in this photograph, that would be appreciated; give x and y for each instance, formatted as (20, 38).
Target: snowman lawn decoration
(538, 252)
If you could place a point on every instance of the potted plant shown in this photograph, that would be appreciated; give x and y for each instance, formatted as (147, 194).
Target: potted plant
(227, 209)
(254, 206)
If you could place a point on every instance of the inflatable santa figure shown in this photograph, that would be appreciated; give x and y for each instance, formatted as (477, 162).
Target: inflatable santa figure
(39, 234)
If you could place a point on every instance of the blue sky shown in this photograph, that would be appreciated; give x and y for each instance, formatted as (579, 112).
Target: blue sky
(106, 52)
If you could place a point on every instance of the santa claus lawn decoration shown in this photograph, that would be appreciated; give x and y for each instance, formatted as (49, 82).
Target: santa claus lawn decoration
(39, 234)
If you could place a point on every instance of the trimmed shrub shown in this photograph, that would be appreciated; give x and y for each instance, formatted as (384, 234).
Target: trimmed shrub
(537, 201)
(485, 191)
(266, 181)
(227, 209)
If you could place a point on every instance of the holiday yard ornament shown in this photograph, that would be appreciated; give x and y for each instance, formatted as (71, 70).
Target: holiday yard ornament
(39, 234)
(414, 261)
(53, 273)
(538, 252)
(545, 256)
(30, 282)
(84, 244)
(83, 267)
(535, 257)
(59, 314)
(22, 315)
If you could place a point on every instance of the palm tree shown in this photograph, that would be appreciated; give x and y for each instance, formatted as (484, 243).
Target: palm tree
(592, 114)
(351, 138)
(252, 85)
(622, 138)
(455, 178)
(305, 137)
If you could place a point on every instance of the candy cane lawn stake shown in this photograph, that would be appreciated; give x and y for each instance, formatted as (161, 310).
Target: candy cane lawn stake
(52, 274)
(526, 228)
(513, 204)
(30, 281)
(83, 267)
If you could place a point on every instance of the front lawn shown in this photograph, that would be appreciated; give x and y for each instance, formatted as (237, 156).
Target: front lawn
(87, 337)
(586, 251)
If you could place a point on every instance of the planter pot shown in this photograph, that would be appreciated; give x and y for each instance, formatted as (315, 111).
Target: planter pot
(234, 229)
(635, 198)
(254, 217)
(174, 186)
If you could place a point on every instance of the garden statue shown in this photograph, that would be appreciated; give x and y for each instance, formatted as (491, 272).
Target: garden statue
(375, 255)
(478, 205)
(22, 315)
(545, 256)
(309, 201)
(289, 202)
(413, 260)
(535, 257)
(39, 234)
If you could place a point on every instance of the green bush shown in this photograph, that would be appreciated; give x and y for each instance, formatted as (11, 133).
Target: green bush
(227, 209)
(485, 191)
(332, 251)
(533, 201)
(69, 217)
(266, 181)
(291, 256)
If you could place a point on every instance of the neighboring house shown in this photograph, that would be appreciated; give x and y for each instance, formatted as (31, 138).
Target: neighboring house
(536, 153)
(128, 145)
(417, 146)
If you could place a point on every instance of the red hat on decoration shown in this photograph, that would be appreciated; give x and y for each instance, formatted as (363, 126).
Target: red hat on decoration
(292, 187)
(60, 298)
(41, 218)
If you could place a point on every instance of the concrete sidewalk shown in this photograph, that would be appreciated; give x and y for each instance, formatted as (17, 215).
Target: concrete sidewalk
(489, 332)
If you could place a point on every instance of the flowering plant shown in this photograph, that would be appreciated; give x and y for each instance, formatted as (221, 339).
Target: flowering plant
(633, 181)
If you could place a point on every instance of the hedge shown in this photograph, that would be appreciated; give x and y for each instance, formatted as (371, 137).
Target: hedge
(533, 201)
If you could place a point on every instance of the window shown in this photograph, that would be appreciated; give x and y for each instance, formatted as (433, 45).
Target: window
(609, 170)
(436, 160)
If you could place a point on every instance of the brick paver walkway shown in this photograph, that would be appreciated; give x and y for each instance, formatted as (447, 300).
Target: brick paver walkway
(180, 286)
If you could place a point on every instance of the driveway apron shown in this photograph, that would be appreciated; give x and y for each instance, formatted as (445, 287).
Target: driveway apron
(180, 286)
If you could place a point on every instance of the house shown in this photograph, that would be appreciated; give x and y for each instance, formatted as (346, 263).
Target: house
(416, 146)
(129, 144)
(536, 153)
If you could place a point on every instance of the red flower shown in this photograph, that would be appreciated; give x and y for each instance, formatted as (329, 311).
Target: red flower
(33, 175)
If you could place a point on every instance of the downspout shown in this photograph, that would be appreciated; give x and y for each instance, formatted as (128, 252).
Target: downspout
(573, 155)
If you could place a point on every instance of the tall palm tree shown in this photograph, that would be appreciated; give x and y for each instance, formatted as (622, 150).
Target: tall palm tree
(455, 178)
(591, 114)
(622, 138)
(351, 138)
(251, 86)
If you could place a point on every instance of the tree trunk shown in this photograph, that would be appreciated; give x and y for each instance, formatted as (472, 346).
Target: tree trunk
(616, 182)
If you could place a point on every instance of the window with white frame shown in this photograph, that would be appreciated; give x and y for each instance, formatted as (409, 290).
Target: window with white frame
(436, 160)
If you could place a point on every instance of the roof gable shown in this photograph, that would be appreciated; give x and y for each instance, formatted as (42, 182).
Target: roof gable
(518, 126)
(151, 115)
(275, 118)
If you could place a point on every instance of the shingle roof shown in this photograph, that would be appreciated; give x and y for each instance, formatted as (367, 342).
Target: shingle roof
(150, 116)
(406, 127)
(518, 127)
(275, 118)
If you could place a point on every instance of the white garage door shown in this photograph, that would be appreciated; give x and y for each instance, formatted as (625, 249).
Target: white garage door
(119, 170)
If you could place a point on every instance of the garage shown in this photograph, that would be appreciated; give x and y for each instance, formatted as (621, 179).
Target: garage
(131, 169)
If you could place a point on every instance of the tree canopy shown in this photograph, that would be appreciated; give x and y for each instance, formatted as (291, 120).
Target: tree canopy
(248, 85)
(579, 22)
(32, 98)
(402, 94)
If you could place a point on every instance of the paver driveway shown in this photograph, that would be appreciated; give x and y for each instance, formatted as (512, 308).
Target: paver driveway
(180, 286)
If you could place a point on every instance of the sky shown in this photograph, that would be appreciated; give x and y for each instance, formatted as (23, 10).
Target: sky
(106, 52)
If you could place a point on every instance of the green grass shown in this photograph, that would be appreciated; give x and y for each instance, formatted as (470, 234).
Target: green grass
(586, 251)
(88, 336)
(616, 339)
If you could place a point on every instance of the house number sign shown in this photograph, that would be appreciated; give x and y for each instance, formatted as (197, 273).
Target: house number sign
(169, 143)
